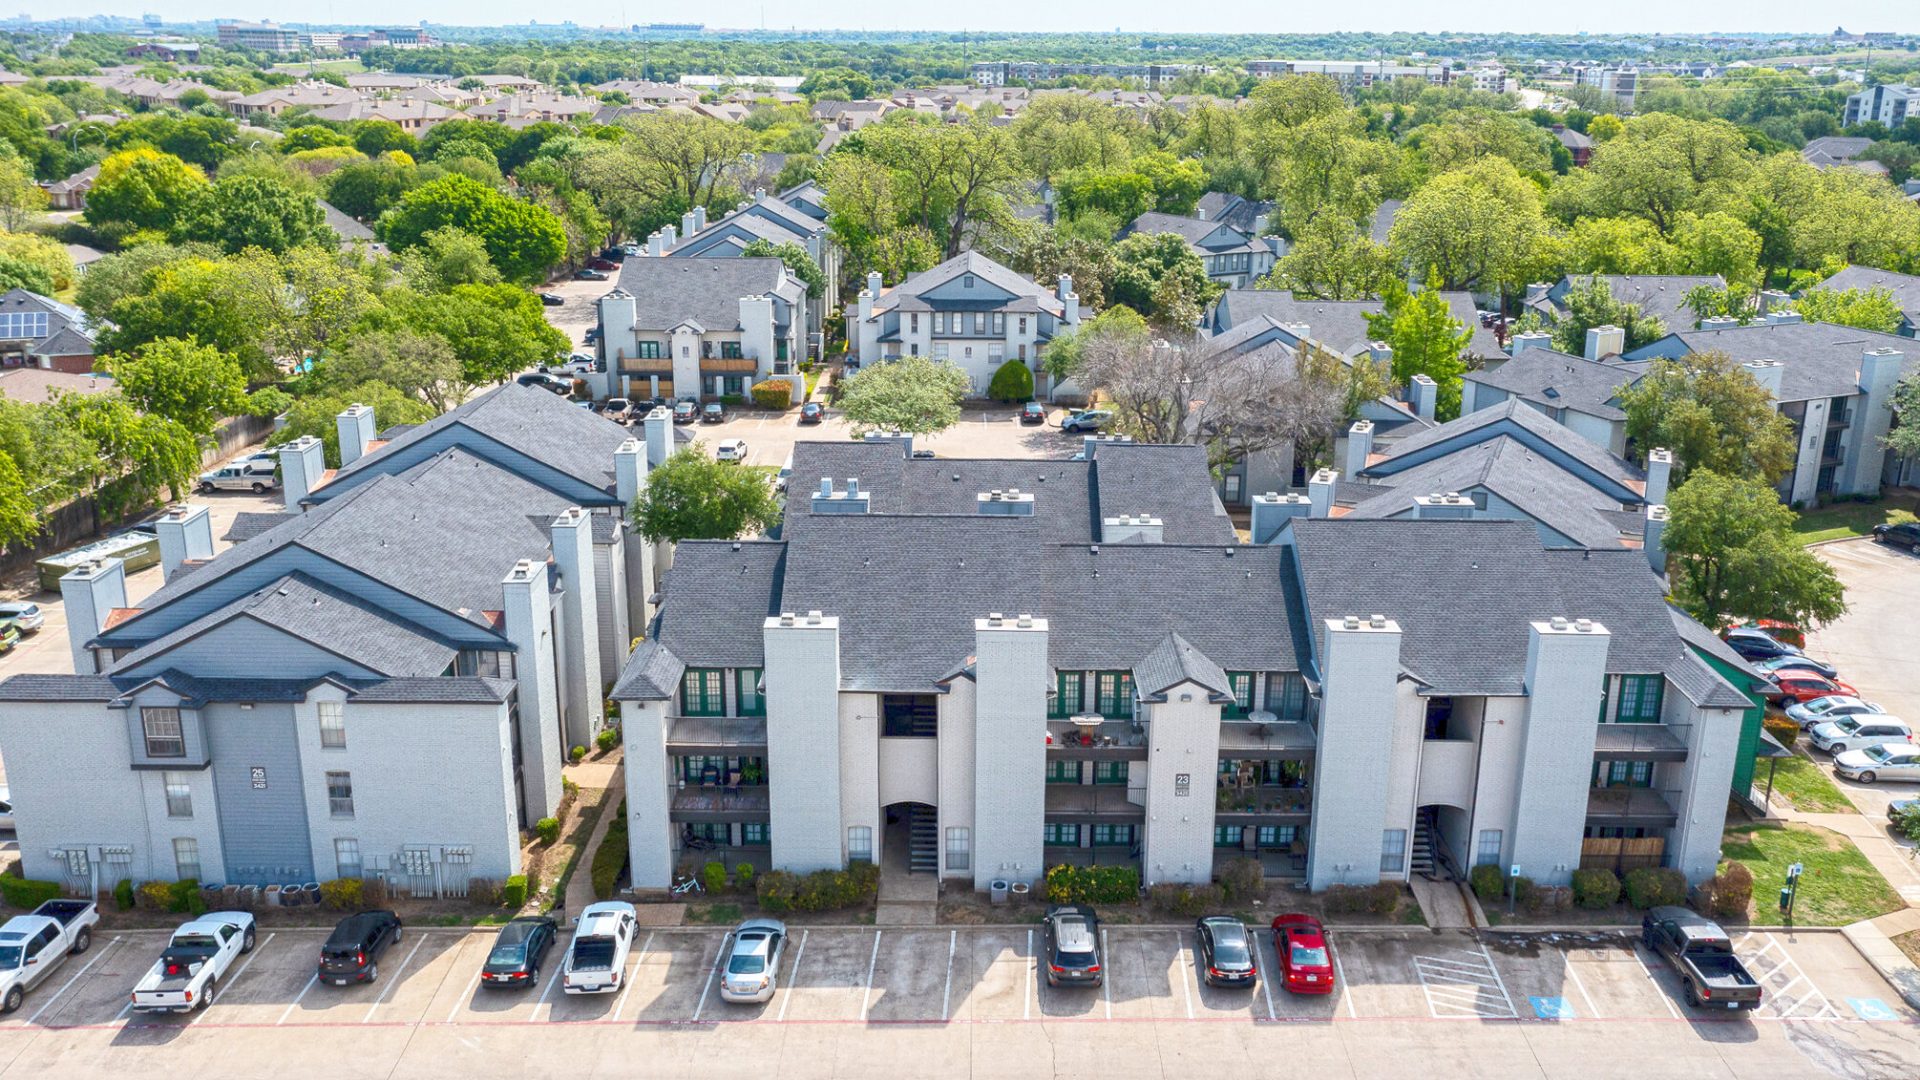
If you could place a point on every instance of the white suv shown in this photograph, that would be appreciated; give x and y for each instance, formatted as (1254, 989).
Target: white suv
(1854, 732)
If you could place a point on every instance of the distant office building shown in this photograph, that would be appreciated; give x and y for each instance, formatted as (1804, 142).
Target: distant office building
(259, 37)
(1620, 82)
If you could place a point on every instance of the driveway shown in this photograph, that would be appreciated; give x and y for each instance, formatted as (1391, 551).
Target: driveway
(580, 310)
(992, 431)
(1874, 645)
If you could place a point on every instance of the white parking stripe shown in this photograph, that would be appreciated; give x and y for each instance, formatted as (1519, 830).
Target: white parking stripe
(35, 1018)
(1106, 977)
(552, 981)
(1343, 989)
(1026, 1007)
(473, 987)
(946, 996)
(1186, 984)
(387, 989)
(793, 977)
(1266, 984)
(634, 977)
(1657, 988)
(1580, 986)
(871, 962)
(291, 1005)
(712, 972)
(1457, 989)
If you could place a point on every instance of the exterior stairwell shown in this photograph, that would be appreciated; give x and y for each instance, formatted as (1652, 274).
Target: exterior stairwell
(1424, 863)
(923, 840)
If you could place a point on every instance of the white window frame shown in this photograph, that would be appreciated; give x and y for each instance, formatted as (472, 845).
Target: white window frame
(340, 806)
(346, 853)
(959, 849)
(186, 854)
(333, 724)
(178, 789)
(153, 717)
(1393, 851)
(1489, 846)
(859, 843)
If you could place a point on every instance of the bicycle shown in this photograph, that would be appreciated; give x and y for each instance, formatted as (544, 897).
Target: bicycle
(687, 884)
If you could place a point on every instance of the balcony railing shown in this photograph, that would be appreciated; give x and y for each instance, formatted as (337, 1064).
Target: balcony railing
(1264, 804)
(742, 803)
(1109, 740)
(720, 736)
(1070, 803)
(1628, 807)
(1273, 739)
(1639, 742)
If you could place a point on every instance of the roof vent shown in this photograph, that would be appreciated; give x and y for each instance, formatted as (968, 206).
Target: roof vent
(813, 617)
(1025, 620)
(786, 618)
(1585, 626)
(1557, 622)
(1378, 622)
(1351, 622)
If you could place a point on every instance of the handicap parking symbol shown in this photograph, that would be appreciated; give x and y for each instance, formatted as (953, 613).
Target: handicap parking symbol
(1551, 1008)
(1872, 1009)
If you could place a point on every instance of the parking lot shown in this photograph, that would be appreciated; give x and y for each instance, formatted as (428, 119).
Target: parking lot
(983, 432)
(957, 990)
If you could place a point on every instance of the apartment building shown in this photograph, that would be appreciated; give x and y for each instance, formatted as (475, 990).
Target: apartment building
(413, 116)
(704, 327)
(1581, 392)
(994, 666)
(1355, 74)
(1889, 105)
(1014, 72)
(1621, 82)
(969, 311)
(260, 37)
(1232, 257)
(796, 216)
(431, 613)
(1663, 296)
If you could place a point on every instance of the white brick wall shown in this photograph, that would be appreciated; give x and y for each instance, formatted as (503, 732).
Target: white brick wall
(1360, 700)
(69, 771)
(1566, 669)
(1713, 747)
(956, 768)
(803, 744)
(649, 772)
(1010, 752)
(1181, 769)
(859, 743)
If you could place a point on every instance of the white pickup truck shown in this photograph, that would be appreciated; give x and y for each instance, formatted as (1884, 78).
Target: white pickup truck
(597, 960)
(32, 946)
(187, 975)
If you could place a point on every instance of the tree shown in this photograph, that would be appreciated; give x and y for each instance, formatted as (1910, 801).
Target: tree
(311, 137)
(1719, 243)
(192, 384)
(913, 394)
(1867, 309)
(1426, 340)
(313, 414)
(690, 496)
(950, 179)
(21, 200)
(1178, 183)
(1590, 303)
(1904, 439)
(136, 454)
(797, 260)
(664, 164)
(247, 211)
(1012, 382)
(1469, 135)
(416, 364)
(112, 278)
(1044, 253)
(1124, 195)
(1658, 166)
(143, 189)
(1712, 414)
(1732, 553)
(376, 137)
(495, 330)
(1066, 352)
(17, 273)
(1162, 278)
(365, 189)
(522, 240)
(1617, 245)
(1478, 227)
(195, 298)
(1332, 259)
(19, 517)
(446, 257)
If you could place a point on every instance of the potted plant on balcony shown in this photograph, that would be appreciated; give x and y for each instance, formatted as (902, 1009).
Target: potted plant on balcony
(750, 773)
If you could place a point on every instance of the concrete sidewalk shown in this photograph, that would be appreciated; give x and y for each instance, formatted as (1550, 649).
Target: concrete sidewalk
(1874, 940)
(614, 780)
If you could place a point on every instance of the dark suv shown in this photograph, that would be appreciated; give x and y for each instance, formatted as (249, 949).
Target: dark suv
(352, 953)
(1906, 535)
(1072, 945)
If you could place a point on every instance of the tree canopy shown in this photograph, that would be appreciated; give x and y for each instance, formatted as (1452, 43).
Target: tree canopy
(913, 394)
(690, 496)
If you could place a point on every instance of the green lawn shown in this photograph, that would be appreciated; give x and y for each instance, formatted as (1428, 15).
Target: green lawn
(1802, 783)
(1842, 520)
(1837, 887)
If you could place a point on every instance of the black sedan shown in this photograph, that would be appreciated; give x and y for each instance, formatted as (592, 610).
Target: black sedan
(552, 299)
(1033, 413)
(1906, 534)
(686, 411)
(1226, 952)
(714, 413)
(519, 951)
(812, 413)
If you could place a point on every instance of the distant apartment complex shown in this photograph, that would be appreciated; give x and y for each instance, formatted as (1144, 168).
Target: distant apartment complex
(1619, 82)
(259, 37)
(1889, 105)
(1355, 74)
(1013, 72)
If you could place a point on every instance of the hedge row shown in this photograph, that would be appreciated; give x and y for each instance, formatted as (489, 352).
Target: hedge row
(1092, 884)
(822, 890)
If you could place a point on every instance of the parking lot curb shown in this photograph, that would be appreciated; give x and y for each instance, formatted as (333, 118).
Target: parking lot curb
(1887, 959)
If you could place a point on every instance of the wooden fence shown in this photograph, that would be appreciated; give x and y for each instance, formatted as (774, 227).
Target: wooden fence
(1621, 854)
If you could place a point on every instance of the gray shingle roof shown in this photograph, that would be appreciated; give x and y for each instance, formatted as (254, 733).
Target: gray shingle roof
(1663, 296)
(652, 673)
(668, 292)
(1509, 419)
(50, 688)
(968, 262)
(249, 524)
(537, 423)
(1340, 324)
(1464, 593)
(456, 690)
(1818, 360)
(1173, 662)
(1506, 467)
(724, 590)
(1904, 287)
(1560, 381)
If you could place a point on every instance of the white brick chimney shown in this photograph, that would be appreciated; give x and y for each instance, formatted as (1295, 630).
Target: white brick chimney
(1767, 373)
(1423, 394)
(302, 463)
(1653, 529)
(1320, 488)
(186, 533)
(1605, 341)
(1271, 512)
(89, 593)
(1359, 448)
(1659, 475)
(355, 427)
(659, 431)
(527, 624)
(579, 623)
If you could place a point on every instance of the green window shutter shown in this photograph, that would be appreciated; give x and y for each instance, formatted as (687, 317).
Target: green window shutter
(1066, 699)
(1241, 683)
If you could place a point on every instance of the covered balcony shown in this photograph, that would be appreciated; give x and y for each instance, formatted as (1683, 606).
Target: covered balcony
(718, 736)
(1262, 738)
(1639, 742)
(1094, 738)
(718, 803)
(1091, 804)
(1629, 808)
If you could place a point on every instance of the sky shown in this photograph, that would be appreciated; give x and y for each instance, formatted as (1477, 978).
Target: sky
(1217, 16)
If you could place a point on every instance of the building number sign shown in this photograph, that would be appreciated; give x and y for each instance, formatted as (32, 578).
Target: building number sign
(259, 777)
(1182, 785)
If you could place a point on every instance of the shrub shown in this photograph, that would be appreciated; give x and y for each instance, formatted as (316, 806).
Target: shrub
(568, 787)
(547, 829)
(1652, 886)
(123, 895)
(1092, 884)
(775, 394)
(26, 893)
(1243, 879)
(607, 739)
(576, 754)
(611, 857)
(1783, 729)
(343, 894)
(1013, 382)
(373, 892)
(1377, 899)
(1730, 891)
(153, 895)
(714, 876)
(1487, 882)
(822, 890)
(743, 877)
(1595, 889)
(775, 890)
(1541, 899)
(183, 897)
(514, 893)
(1185, 900)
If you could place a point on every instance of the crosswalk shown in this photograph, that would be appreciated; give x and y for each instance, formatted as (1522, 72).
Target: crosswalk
(1462, 984)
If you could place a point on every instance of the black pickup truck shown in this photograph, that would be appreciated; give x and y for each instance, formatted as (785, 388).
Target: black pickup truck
(1702, 955)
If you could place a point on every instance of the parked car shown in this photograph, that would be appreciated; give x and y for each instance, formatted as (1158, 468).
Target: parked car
(1756, 644)
(1785, 633)
(1906, 535)
(9, 636)
(552, 299)
(1088, 420)
(352, 952)
(617, 409)
(686, 411)
(1898, 807)
(519, 949)
(731, 450)
(597, 959)
(1805, 686)
(1033, 413)
(924, 455)
(6, 810)
(1702, 955)
(753, 967)
(588, 273)
(544, 381)
(1854, 732)
(592, 335)
(1886, 761)
(33, 946)
(1226, 952)
(188, 973)
(616, 253)
(239, 478)
(27, 616)
(1071, 944)
(812, 412)
(1306, 959)
(603, 264)
(713, 413)
(577, 364)
(1801, 662)
(1831, 707)
(631, 251)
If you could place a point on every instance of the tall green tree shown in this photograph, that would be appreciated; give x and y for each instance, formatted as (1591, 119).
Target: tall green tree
(693, 497)
(143, 189)
(495, 330)
(913, 394)
(522, 240)
(1590, 303)
(1333, 259)
(192, 384)
(1426, 340)
(1904, 439)
(252, 211)
(1162, 278)
(796, 259)
(1478, 227)
(1866, 309)
(313, 414)
(1712, 414)
(1732, 554)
